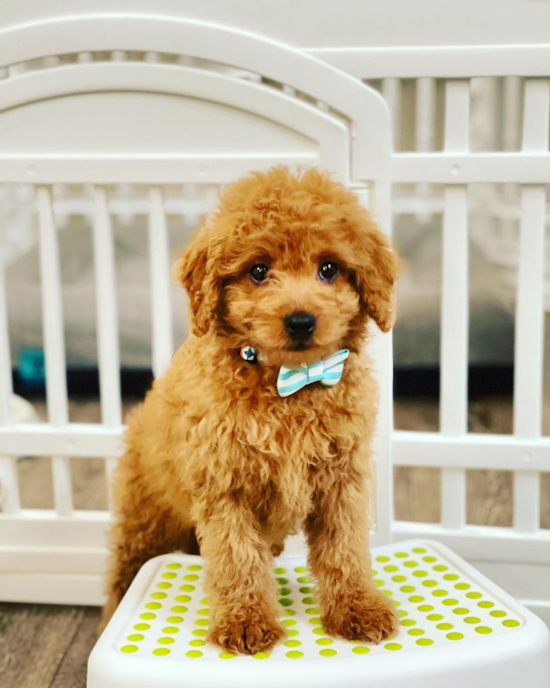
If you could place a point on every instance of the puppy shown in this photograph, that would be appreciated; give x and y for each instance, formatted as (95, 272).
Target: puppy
(237, 446)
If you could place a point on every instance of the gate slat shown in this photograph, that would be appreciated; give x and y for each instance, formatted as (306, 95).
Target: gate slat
(381, 507)
(425, 134)
(107, 320)
(161, 315)
(454, 307)
(391, 90)
(54, 345)
(8, 471)
(529, 344)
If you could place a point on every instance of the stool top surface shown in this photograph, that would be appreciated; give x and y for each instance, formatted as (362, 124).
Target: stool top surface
(440, 601)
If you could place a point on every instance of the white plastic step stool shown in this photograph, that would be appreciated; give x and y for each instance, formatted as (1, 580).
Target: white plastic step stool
(457, 629)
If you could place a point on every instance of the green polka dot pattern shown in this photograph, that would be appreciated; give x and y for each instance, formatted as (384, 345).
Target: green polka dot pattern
(438, 604)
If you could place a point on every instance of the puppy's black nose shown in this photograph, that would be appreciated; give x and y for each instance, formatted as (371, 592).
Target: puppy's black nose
(300, 325)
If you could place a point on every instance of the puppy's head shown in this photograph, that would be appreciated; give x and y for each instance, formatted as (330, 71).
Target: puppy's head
(290, 264)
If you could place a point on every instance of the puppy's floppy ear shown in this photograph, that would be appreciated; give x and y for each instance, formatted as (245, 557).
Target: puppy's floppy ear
(376, 274)
(195, 270)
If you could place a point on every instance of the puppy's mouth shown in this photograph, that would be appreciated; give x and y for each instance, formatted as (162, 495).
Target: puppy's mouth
(295, 354)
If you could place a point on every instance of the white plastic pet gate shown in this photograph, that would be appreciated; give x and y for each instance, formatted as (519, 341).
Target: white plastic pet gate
(283, 108)
(106, 79)
(517, 558)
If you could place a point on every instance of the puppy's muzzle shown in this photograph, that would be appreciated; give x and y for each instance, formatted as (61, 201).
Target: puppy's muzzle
(300, 325)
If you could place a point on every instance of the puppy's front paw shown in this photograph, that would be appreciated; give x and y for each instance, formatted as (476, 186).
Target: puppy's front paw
(364, 616)
(246, 630)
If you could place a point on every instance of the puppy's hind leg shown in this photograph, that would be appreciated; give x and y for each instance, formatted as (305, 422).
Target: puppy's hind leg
(136, 537)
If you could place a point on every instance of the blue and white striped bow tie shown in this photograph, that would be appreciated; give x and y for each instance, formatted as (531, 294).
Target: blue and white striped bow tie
(327, 371)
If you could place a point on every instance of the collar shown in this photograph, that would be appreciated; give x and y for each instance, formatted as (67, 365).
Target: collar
(328, 371)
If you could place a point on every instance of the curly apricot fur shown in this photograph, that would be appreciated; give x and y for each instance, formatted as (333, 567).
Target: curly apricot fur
(214, 450)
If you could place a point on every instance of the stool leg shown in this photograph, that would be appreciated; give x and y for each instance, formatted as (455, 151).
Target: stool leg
(351, 605)
(240, 585)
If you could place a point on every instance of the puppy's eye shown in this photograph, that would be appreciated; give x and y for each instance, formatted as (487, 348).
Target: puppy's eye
(328, 271)
(258, 273)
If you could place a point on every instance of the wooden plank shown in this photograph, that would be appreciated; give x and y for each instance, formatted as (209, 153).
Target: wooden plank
(490, 498)
(34, 641)
(71, 672)
(411, 487)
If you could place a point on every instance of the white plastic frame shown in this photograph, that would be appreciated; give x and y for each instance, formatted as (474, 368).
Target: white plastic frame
(59, 557)
(229, 46)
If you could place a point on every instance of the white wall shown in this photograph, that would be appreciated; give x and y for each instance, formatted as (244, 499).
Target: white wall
(334, 23)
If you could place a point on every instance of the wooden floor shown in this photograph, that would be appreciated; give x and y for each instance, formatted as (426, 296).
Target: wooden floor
(47, 646)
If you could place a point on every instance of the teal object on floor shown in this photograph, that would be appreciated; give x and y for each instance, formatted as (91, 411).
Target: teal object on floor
(32, 367)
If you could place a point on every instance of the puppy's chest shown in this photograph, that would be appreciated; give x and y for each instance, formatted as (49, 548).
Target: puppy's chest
(298, 437)
(303, 447)
(304, 422)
